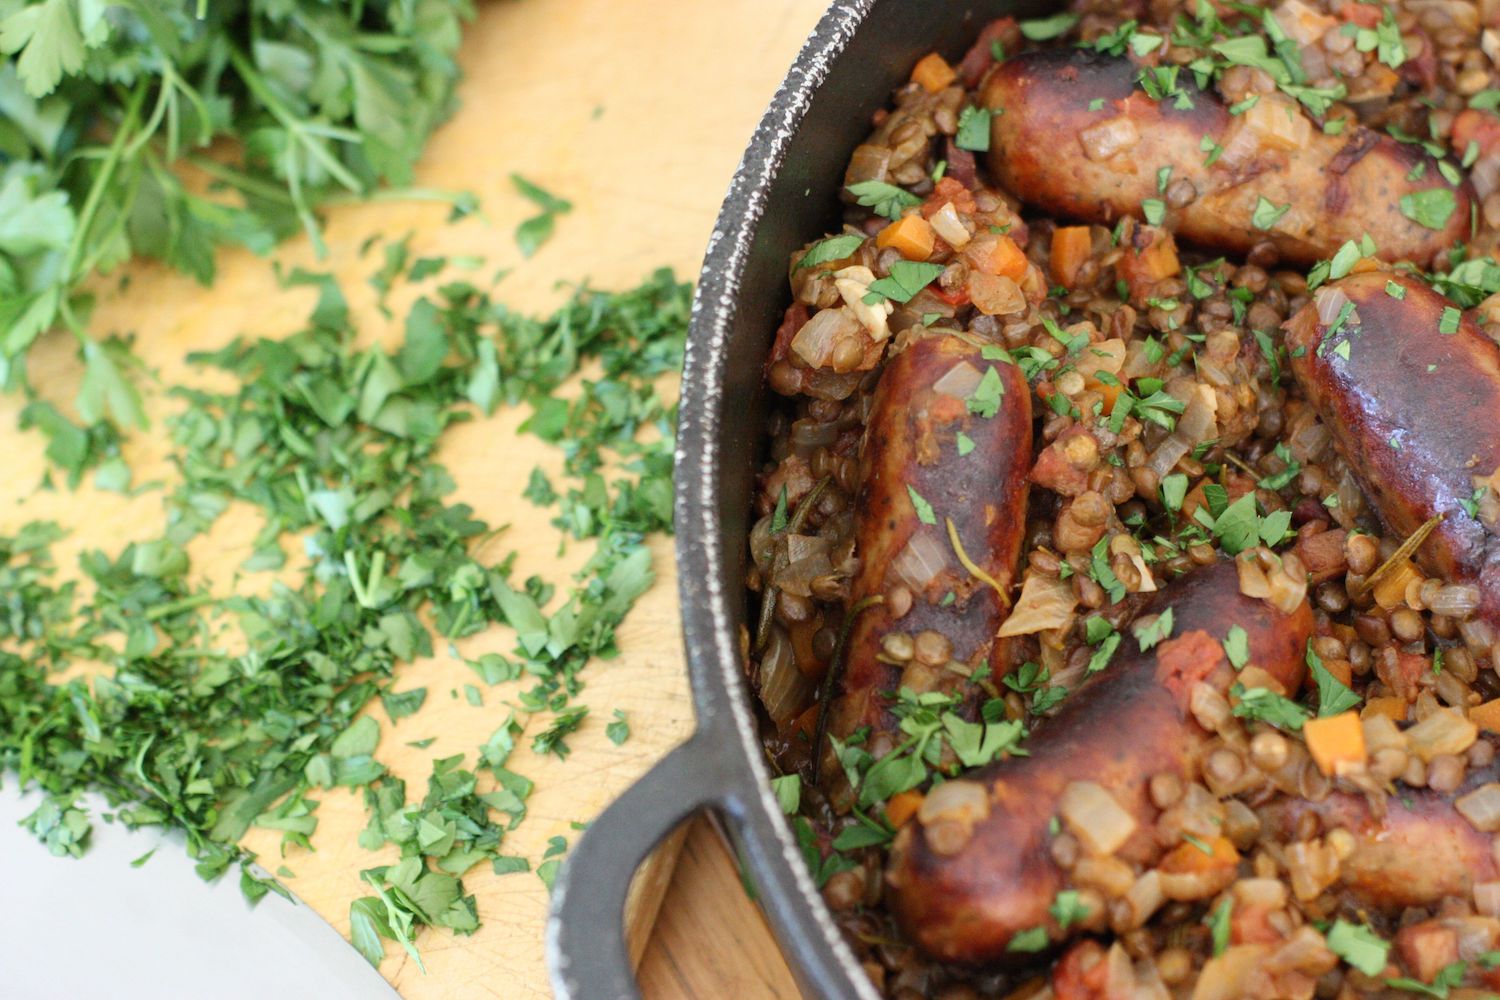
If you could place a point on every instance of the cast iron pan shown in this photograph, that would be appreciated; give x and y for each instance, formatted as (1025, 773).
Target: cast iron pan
(782, 196)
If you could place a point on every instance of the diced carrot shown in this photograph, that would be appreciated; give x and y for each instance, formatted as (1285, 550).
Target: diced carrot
(1336, 742)
(945, 409)
(1342, 669)
(1071, 246)
(933, 73)
(1189, 857)
(1427, 947)
(1486, 716)
(1151, 256)
(902, 807)
(1394, 709)
(1366, 264)
(911, 234)
(995, 254)
(1390, 592)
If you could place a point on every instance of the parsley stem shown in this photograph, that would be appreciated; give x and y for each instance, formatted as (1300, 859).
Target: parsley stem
(94, 199)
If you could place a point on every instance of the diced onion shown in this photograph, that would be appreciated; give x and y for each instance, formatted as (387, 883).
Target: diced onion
(1105, 356)
(1445, 731)
(1330, 301)
(853, 284)
(1481, 807)
(960, 381)
(920, 562)
(784, 689)
(1146, 896)
(1267, 892)
(1045, 603)
(966, 801)
(1094, 817)
(1312, 866)
(1167, 454)
(1104, 140)
(995, 294)
(1199, 420)
(1278, 123)
(1302, 23)
(1487, 898)
(1227, 976)
(946, 223)
(1241, 148)
(1253, 582)
(815, 343)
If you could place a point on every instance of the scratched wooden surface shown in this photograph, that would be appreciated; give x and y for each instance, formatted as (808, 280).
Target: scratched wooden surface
(637, 113)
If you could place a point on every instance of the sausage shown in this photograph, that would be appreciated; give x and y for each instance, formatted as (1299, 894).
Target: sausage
(1413, 412)
(911, 454)
(1415, 851)
(963, 893)
(1338, 187)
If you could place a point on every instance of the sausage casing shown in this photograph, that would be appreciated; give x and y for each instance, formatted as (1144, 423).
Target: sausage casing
(965, 902)
(1075, 135)
(1416, 851)
(928, 458)
(1413, 411)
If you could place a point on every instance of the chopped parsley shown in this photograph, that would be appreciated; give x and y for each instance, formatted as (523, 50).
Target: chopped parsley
(924, 509)
(1431, 208)
(830, 249)
(1266, 705)
(885, 199)
(1237, 646)
(1359, 946)
(1267, 213)
(973, 130)
(907, 278)
(1156, 630)
(985, 400)
(1334, 696)
(1046, 28)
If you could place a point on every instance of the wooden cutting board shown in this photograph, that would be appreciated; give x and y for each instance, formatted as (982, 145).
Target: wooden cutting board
(637, 113)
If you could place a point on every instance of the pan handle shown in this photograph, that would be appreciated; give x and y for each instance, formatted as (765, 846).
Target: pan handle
(586, 947)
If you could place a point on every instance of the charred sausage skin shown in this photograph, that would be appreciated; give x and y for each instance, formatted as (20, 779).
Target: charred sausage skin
(1338, 188)
(1413, 411)
(911, 452)
(1119, 729)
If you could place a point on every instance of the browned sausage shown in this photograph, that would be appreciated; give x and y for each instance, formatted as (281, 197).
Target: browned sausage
(1414, 853)
(1413, 410)
(964, 884)
(911, 455)
(1076, 136)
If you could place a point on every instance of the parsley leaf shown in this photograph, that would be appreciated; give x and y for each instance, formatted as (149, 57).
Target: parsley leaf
(830, 249)
(1359, 946)
(974, 130)
(886, 199)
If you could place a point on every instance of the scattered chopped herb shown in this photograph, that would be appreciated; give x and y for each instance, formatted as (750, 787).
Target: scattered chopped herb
(1153, 631)
(1268, 706)
(1218, 924)
(1431, 208)
(886, 199)
(973, 130)
(1237, 646)
(830, 249)
(1267, 213)
(1032, 939)
(537, 230)
(907, 278)
(1044, 28)
(924, 509)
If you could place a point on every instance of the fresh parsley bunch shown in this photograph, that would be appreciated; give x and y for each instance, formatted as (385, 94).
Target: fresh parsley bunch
(164, 128)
